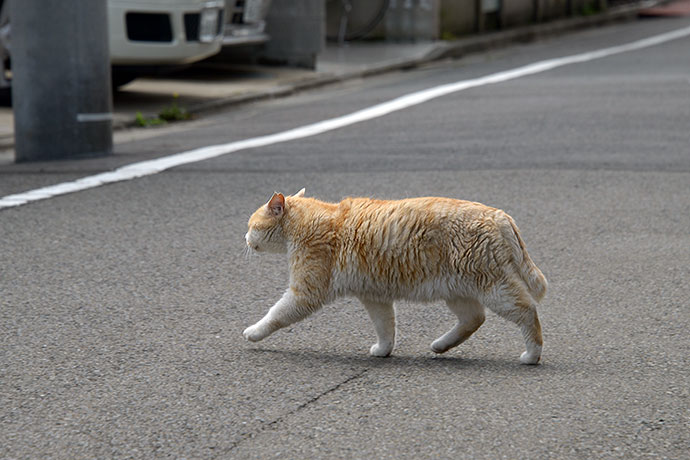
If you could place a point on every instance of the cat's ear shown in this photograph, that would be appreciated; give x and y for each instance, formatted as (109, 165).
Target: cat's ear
(299, 194)
(276, 204)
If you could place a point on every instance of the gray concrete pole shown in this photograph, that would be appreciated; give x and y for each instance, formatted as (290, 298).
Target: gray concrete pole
(60, 79)
(297, 32)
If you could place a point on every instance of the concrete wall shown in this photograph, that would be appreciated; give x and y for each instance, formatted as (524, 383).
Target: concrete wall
(412, 20)
(297, 27)
(447, 19)
(547, 10)
(404, 19)
(464, 17)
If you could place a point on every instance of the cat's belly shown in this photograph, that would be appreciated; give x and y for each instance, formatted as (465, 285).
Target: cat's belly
(441, 288)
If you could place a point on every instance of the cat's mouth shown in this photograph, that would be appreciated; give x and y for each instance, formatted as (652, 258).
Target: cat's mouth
(255, 247)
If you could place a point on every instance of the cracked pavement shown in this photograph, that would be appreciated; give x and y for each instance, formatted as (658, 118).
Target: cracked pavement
(122, 307)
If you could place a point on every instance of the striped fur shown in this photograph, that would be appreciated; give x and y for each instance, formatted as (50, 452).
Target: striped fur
(424, 249)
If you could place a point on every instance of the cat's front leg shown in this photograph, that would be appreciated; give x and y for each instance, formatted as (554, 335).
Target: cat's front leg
(288, 310)
(269, 323)
(258, 331)
(382, 314)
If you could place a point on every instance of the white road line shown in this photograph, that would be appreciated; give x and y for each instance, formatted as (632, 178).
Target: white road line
(147, 168)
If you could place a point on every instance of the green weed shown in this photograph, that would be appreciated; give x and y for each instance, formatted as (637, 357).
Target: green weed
(171, 113)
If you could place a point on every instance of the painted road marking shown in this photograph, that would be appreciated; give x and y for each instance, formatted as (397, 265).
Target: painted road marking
(150, 167)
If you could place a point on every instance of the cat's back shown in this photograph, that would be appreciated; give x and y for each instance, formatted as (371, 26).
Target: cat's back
(416, 229)
(370, 213)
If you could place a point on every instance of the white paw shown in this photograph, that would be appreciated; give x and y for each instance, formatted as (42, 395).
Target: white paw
(439, 346)
(527, 358)
(380, 350)
(255, 333)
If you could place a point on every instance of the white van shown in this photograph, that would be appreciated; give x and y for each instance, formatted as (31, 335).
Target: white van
(145, 34)
(154, 32)
(148, 34)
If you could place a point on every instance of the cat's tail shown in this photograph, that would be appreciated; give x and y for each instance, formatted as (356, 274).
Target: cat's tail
(529, 272)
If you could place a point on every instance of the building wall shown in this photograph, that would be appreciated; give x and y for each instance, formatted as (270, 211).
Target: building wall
(297, 28)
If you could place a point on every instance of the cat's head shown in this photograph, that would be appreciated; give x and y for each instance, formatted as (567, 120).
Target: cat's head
(265, 232)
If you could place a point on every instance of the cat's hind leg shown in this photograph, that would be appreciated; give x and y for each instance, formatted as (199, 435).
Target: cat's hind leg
(382, 314)
(516, 305)
(470, 315)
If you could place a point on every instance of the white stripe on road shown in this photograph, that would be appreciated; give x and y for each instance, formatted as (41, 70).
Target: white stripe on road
(147, 168)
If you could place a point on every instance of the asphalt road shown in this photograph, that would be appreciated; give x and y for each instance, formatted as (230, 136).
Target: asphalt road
(122, 307)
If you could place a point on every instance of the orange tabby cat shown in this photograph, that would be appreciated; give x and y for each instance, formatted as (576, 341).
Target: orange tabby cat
(424, 249)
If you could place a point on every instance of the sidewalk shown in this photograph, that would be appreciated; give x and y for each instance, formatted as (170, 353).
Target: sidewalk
(206, 87)
(670, 9)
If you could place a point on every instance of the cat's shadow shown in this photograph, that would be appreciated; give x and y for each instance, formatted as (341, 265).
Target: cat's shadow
(420, 362)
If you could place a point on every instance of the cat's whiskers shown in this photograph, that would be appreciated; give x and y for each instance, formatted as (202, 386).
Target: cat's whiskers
(248, 252)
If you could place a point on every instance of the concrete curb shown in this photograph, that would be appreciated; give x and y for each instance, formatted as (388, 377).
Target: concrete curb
(443, 50)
